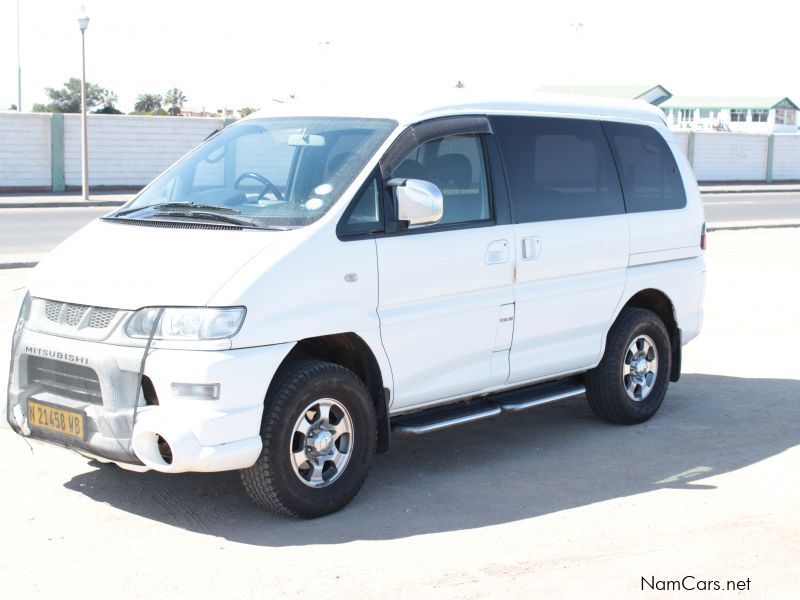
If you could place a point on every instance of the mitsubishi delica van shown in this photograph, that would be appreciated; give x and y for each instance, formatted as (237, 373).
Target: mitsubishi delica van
(306, 282)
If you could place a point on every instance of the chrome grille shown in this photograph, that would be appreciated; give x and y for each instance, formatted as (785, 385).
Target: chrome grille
(53, 310)
(101, 317)
(65, 379)
(73, 313)
(75, 316)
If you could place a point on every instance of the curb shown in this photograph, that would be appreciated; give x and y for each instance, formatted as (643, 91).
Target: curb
(20, 261)
(712, 191)
(18, 265)
(62, 204)
(734, 226)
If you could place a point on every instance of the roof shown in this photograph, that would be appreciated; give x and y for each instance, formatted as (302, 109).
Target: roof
(413, 110)
(628, 91)
(729, 102)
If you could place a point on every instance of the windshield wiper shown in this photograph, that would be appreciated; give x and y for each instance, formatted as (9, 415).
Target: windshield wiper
(209, 216)
(180, 205)
(201, 211)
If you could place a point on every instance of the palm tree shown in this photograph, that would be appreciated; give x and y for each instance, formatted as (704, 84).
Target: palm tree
(174, 98)
(247, 110)
(109, 98)
(147, 103)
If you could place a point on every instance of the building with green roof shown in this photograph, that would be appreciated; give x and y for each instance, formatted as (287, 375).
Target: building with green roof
(653, 94)
(744, 114)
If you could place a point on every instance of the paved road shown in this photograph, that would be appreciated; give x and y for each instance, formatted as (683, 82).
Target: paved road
(36, 231)
(727, 208)
(552, 503)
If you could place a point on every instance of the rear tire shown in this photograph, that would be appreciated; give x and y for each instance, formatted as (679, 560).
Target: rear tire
(319, 433)
(629, 384)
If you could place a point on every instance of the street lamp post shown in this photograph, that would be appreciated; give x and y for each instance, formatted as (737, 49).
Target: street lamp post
(83, 23)
(19, 68)
(577, 27)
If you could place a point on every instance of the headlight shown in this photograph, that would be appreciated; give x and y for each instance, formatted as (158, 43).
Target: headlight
(185, 323)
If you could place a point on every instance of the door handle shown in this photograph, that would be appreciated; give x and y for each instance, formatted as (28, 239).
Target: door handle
(531, 248)
(496, 253)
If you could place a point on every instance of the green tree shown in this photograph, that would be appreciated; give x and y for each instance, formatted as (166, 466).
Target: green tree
(110, 98)
(174, 98)
(68, 98)
(147, 103)
(460, 84)
(247, 110)
(108, 108)
(12, 107)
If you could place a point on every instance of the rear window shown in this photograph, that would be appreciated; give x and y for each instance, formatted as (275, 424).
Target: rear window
(650, 177)
(558, 168)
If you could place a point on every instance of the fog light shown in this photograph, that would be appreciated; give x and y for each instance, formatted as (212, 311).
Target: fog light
(200, 391)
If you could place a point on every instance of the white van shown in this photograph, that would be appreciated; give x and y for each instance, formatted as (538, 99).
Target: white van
(301, 285)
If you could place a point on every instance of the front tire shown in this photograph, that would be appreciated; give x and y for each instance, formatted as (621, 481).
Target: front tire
(629, 384)
(319, 435)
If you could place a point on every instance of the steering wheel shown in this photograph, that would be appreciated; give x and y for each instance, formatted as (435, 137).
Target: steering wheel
(268, 185)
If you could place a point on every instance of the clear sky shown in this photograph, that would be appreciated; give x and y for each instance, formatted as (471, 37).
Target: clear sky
(235, 53)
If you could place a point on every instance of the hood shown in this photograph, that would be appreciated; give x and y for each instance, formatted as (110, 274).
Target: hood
(126, 266)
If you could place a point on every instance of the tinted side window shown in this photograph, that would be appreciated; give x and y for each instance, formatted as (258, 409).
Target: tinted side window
(558, 168)
(456, 165)
(650, 176)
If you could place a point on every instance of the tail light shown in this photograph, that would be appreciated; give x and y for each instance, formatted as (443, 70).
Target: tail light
(703, 237)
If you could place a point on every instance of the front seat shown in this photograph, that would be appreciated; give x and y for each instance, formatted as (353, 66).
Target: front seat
(453, 174)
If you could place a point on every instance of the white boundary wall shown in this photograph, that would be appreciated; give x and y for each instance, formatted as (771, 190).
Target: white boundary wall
(786, 156)
(25, 150)
(682, 139)
(730, 157)
(129, 151)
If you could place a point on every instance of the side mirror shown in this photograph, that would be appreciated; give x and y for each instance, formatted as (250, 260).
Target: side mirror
(418, 202)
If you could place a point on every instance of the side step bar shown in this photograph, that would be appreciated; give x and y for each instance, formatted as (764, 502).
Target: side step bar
(450, 415)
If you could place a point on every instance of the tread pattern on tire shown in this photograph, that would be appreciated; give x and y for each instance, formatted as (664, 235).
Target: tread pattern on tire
(604, 390)
(259, 481)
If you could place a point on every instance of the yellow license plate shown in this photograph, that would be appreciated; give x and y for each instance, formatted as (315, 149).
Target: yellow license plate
(66, 422)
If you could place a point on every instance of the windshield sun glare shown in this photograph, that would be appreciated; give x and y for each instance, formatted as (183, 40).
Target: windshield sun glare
(272, 172)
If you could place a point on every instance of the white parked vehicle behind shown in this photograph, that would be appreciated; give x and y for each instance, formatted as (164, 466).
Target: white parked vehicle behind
(304, 283)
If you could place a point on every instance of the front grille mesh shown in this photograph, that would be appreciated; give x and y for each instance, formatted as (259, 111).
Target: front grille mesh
(53, 310)
(101, 317)
(74, 314)
(65, 379)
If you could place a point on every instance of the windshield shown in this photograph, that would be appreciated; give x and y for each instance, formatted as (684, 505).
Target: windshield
(274, 172)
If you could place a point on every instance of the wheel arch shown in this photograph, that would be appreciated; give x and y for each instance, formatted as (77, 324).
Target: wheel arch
(658, 302)
(352, 352)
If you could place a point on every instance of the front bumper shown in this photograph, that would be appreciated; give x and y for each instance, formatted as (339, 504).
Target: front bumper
(202, 435)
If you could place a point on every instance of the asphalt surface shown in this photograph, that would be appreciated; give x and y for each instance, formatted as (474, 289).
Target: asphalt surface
(33, 232)
(727, 208)
(36, 231)
(551, 503)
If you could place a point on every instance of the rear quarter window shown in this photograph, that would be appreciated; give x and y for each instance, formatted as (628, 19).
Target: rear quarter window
(558, 168)
(650, 176)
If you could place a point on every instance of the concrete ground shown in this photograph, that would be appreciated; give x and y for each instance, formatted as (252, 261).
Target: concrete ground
(553, 503)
